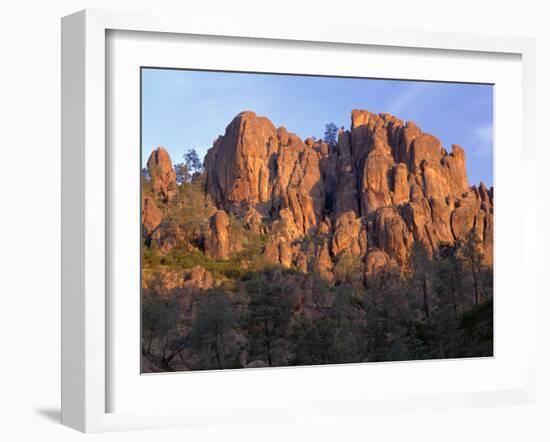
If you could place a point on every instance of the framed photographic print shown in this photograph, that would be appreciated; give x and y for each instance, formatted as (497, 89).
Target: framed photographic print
(269, 249)
(278, 223)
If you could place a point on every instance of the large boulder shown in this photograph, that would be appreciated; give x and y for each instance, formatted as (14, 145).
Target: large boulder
(161, 172)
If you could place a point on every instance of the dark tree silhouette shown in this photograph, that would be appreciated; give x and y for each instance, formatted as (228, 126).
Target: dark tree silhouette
(214, 320)
(159, 317)
(472, 253)
(331, 134)
(193, 161)
(268, 316)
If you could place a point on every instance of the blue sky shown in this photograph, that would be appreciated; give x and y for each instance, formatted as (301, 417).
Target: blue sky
(189, 109)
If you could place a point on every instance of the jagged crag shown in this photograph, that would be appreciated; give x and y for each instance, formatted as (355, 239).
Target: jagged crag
(291, 252)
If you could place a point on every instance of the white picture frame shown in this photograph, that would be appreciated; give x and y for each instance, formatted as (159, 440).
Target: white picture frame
(85, 202)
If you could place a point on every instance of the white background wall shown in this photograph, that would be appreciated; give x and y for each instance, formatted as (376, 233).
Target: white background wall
(30, 214)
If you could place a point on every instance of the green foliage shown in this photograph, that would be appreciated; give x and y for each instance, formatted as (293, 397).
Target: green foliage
(187, 259)
(150, 257)
(182, 259)
(190, 208)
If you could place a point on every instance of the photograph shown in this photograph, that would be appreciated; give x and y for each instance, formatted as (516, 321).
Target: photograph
(303, 220)
(250, 222)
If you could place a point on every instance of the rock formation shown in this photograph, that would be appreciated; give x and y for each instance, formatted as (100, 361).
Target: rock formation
(197, 278)
(161, 173)
(217, 241)
(384, 185)
(256, 167)
(151, 215)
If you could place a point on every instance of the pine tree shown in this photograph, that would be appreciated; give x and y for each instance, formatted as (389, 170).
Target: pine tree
(331, 134)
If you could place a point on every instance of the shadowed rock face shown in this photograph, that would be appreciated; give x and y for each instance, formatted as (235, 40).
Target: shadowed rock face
(384, 185)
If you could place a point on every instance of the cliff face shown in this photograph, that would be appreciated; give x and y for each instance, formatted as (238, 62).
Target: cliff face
(384, 185)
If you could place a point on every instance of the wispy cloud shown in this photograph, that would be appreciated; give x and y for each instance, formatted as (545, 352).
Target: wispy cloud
(482, 141)
(405, 100)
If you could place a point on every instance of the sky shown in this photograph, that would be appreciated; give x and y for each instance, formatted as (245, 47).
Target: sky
(184, 109)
